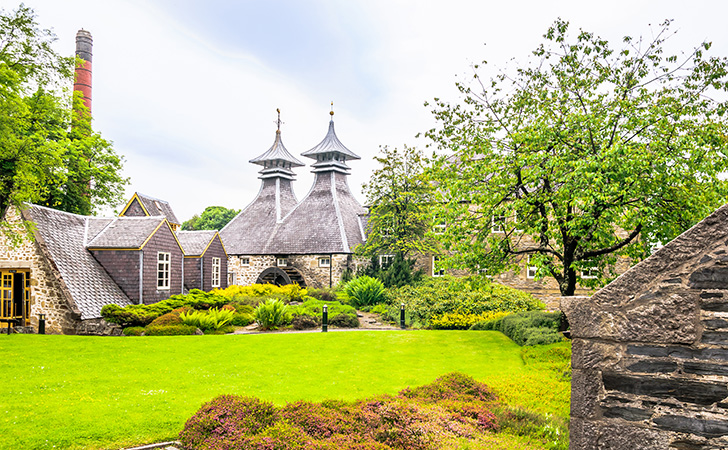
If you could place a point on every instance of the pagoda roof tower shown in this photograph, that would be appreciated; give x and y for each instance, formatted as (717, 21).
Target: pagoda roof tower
(277, 161)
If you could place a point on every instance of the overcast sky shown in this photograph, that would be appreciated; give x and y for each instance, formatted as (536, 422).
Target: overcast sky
(187, 90)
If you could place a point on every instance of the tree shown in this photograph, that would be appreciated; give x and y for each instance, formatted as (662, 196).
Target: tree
(48, 153)
(583, 156)
(212, 218)
(399, 197)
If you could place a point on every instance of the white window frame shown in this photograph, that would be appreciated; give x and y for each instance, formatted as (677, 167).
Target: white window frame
(439, 226)
(590, 273)
(324, 261)
(282, 262)
(215, 282)
(385, 259)
(498, 223)
(531, 271)
(232, 278)
(436, 272)
(245, 261)
(164, 263)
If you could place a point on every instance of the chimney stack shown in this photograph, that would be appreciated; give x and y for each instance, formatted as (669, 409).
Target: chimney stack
(84, 47)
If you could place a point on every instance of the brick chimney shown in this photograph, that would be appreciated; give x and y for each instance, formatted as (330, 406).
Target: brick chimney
(84, 47)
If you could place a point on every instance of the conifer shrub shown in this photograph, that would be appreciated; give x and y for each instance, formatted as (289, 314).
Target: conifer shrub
(133, 331)
(527, 327)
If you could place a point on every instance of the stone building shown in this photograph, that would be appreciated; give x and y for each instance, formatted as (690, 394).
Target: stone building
(649, 350)
(280, 240)
(75, 265)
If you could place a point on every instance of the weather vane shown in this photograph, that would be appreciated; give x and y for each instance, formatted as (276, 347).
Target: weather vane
(279, 119)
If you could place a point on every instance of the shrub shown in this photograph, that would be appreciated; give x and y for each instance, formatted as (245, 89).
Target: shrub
(214, 319)
(289, 292)
(343, 320)
(314, 308)
(171, 318)
(304, 322)
(463, 321)
(242, 319)
(271, 314)
(529, 327)
(364, 291)
(326, 295)
(452, 386)
(141, 315)
(436, 296)
(170, 330)
(129, 316)
(133, 331)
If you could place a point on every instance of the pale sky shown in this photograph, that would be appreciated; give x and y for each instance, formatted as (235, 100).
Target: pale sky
(188, 90)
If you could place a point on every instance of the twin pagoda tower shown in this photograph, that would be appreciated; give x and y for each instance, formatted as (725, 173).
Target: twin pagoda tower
(278, 239)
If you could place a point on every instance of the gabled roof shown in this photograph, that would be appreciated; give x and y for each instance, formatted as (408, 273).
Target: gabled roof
(126, 233)
(330, 144)
(195, 243)
(62, 234)
(153, 207)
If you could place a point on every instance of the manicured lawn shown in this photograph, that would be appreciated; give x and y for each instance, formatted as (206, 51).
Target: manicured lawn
(93, 392)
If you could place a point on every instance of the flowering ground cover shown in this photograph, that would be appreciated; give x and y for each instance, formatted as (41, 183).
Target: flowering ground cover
(100, 392)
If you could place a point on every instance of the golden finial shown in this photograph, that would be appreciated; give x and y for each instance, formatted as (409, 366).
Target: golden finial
(332, 109)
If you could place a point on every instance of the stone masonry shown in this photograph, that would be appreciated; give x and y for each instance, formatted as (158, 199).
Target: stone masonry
(48, 295)
(650, 350)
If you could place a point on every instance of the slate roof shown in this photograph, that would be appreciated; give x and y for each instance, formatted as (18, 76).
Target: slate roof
(126, 232)
(157, 207)
(277, 153)
(63, 234)
(328, 220)
(249, 231)
(330, 144)
(194, 243)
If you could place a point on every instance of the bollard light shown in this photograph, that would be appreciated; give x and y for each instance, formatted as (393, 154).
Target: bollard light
(41, 323)
(401, 317)
(325, 320)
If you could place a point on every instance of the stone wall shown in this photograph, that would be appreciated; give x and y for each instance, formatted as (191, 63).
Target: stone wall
(650, 350)
(48, 295)
(315, 275)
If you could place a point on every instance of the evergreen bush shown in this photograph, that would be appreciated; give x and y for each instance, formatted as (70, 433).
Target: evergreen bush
(527, 328)
(133, 331)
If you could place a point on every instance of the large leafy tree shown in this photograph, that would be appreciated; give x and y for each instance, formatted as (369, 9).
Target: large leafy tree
(399, 196)
(48, 152)
(212, 218)
(583, 155)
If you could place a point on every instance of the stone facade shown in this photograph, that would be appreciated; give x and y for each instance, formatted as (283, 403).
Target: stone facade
(649, 350)
(309, 266)
(48, 295)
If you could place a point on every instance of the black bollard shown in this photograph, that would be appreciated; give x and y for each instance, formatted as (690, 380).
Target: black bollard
(325, 319)
(401, 317)
(41, 324)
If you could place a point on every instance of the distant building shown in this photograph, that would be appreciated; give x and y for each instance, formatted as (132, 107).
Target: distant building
(276, 239)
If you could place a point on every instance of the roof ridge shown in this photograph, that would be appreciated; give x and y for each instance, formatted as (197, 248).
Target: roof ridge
(337, 210)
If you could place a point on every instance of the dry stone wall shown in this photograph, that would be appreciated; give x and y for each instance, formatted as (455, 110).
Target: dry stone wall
(650, 350)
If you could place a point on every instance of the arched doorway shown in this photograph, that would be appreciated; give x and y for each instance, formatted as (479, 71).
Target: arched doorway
(281, 276)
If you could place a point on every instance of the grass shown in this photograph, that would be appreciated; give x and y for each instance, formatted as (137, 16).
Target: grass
(95, 392)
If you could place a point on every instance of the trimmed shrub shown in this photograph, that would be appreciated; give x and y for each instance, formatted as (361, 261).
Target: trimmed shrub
(171, 318)
(133, 331)
(304, 322)
(528, 327)
(271, 314)
(364, 291)
(169, 330)
(141, 315)
(463, 321)
(242, 319)
(343, 320)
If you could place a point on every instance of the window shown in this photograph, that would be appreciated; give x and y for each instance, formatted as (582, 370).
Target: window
(385, 260)
(281, 262)
(439, 226)
(498, 223)
(163, 270)
(244, 261)
(215, 272)
(515, 221)
(437, 271)
(325, 262)
(590, 273)
(531, 270)
(232, 278)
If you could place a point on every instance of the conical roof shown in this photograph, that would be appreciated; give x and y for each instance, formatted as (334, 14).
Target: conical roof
(277, 155)
(330, 145)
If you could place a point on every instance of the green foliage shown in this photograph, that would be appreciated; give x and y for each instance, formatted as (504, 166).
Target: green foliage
(170, 318)
(314, 308)
(364, 291)
(463, 321)
(305, 322)
(142, 315)
(48, 154)
(212, 218)
(242, 319)
(287, 293)
(586, 154)
(436, 296)
(400, 272)
(399, 195)
(212, 320)
(133, 331)
(270, 314)
(324, 294)
(169, 330)
(528, 328)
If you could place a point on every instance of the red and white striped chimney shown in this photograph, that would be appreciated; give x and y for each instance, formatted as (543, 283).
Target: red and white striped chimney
(84, 47)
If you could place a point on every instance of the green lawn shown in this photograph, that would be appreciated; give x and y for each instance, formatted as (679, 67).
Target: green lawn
(101, 392)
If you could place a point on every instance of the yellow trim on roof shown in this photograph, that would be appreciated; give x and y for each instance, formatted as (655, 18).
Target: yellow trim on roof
(131, 200)
(117, 249)
(164, 220)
